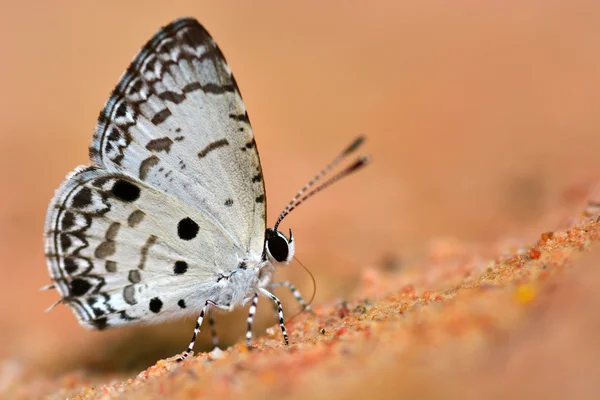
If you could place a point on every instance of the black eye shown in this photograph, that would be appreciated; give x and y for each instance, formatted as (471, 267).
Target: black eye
(278, 247)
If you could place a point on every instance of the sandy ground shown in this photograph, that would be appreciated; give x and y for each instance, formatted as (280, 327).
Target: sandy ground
(435, 277)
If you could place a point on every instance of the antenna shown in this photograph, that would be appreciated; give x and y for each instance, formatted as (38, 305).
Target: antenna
(299, 198)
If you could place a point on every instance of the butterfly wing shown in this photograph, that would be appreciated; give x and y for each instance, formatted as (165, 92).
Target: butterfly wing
(175, 196)
(176, 121)
(120, 251)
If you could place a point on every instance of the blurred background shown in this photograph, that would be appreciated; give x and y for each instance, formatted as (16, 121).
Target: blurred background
(480, 117)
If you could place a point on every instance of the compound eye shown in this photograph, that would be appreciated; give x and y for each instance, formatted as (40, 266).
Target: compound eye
(278, 247)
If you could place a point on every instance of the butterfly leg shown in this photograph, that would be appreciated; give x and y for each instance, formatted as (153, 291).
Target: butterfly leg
(213, 330)
(197, 329)
(279, 311)
(295, 292)
(251, 314)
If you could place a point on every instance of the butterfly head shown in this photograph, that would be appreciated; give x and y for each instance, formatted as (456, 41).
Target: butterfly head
(278, 248)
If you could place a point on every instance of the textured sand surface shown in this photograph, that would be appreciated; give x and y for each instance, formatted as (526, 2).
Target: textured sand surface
(458, 324)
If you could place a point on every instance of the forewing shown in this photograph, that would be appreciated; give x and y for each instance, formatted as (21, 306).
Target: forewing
(120, 251)
(176, 121)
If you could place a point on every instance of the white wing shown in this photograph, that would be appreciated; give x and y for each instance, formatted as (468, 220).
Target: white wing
(176, 121)
(120, 251)
(175, 197)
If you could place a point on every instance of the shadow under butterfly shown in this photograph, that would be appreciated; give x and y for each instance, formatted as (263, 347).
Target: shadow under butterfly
(170, 219)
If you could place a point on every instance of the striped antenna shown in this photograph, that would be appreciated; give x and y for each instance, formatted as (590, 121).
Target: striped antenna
(300, 197)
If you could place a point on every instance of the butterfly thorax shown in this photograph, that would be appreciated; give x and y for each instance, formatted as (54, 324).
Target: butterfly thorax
(236, 288)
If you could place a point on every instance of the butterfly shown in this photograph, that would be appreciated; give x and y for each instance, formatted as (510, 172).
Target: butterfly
(170, 218)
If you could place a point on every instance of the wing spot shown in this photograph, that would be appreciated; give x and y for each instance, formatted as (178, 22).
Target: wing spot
(82, 198)
(112, 231)
(145, 248)
(173, 97)
(70, 265)
(260, 199)
(240, 117)
(79, 287)
(161, 116)
(125, 191)
(100, 323)
(105, 249)
(129, 295)
(65, 242)
(121, 110)
(213, 146)
(108, 247)
(156, 305)
(181, 303)
(191, 87)
(180, 267)
(162, 144)
(110, 266)
(229, 202)
(134, 276)
(68, 220)
(147, 165)
(135, 218)
(187, 229)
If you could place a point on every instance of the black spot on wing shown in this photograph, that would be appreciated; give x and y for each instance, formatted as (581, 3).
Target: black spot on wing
(181, 303)
(125, 191)
(79, 287)
(180, 267)
(100, 323)
(65, 242)
(156, 305)
(260, 199)
(82, 198)
(121, 110)
(187, 229)
(229, 202)
(70, 265)
(68, 220)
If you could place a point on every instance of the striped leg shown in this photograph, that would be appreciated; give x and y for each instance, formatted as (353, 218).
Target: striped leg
(295, 292)
(198, 324)
(251, 314)
(213, 330)
(279, 310)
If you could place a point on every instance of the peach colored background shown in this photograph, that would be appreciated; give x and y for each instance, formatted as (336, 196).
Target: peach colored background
(480, 117)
